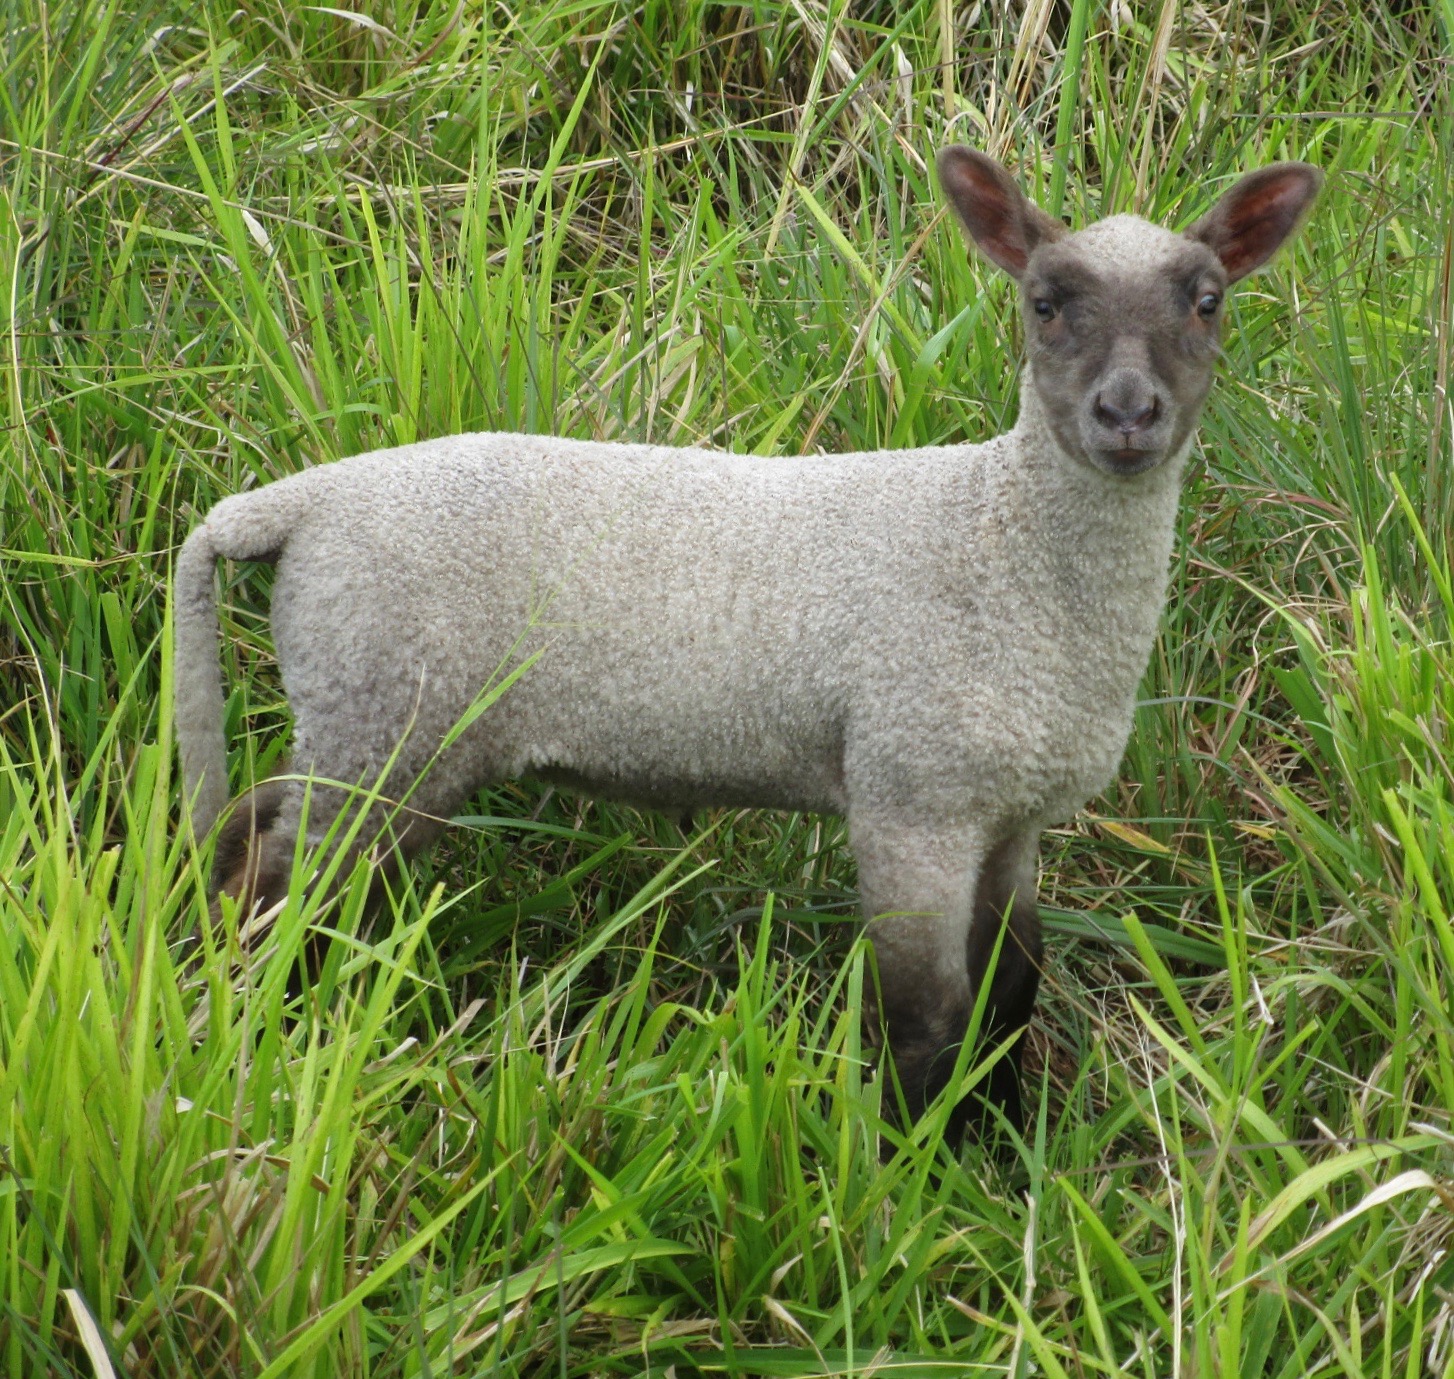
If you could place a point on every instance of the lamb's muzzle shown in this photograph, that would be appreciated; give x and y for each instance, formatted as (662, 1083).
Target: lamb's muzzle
(942, 644)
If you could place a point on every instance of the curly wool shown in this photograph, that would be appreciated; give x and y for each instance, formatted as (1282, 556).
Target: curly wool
(958, 630)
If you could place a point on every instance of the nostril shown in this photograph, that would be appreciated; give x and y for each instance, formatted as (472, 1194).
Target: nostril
(1142, 418)
(1136, 416)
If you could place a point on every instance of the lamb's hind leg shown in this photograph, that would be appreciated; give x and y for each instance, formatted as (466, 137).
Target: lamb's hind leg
(254, 858)
(257, 843)
(917, 882)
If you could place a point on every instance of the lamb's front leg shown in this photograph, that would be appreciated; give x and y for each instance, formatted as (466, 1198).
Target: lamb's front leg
(1004, 901)
(917, 882)
(937, 898)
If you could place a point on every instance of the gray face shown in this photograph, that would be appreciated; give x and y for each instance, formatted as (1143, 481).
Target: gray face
(1124, 318)
(1123, 323)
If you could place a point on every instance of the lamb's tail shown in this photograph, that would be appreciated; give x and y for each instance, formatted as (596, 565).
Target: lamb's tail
(249, 526)
(197, 672)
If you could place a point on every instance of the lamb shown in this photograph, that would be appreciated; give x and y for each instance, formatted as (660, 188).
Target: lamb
(941, 644)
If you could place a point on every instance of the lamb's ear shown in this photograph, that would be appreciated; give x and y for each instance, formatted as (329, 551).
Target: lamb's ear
(1258, 216)
(1000, 220)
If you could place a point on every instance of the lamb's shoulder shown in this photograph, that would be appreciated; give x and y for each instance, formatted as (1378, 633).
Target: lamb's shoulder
(1007, 685)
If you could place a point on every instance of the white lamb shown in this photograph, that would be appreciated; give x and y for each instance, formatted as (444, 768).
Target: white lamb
(942, 644)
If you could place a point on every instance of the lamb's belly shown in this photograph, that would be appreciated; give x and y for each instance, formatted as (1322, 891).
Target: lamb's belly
(680, 742)
(688, 771)
(811, 792)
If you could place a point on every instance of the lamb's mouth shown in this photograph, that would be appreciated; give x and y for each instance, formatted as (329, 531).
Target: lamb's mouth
(1129, 459)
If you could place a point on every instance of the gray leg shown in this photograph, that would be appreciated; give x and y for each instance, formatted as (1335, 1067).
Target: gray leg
(254, 859)
(937, 897)
(917, 882)
(257, 843)
(255, 846)
(1005, 901)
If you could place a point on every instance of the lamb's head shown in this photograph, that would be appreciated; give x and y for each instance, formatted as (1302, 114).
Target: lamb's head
(1123, 319)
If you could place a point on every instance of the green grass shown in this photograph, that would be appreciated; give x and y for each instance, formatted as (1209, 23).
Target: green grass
(591, 1099)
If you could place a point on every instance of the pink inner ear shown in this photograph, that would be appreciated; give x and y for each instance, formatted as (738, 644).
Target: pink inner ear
(1005, 243)
(989, 210)
(1257, 218)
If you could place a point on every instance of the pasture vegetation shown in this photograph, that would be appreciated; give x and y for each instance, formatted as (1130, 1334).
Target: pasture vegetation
(591, 1098)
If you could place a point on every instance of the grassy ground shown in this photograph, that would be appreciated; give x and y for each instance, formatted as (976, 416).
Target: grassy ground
(592, 1099)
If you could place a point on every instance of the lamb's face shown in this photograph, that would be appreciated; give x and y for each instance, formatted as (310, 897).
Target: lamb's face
(1123, 324)
(1124, 318)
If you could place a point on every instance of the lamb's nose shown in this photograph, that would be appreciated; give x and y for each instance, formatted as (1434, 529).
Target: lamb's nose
(1127, 419)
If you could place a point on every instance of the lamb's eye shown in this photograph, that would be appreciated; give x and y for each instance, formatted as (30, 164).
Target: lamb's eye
(1207, 307)
(1044, 308)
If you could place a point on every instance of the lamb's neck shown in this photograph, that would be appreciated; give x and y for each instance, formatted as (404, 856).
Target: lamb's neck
(1105, 537)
